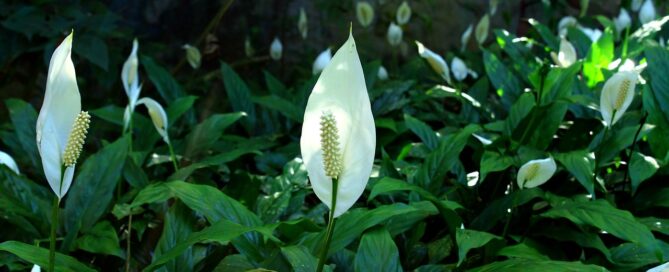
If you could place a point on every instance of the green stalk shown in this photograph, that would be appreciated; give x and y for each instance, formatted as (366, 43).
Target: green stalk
(629, 155)
(513, 204)
(330, 229)
(173, 157)
(52, 240)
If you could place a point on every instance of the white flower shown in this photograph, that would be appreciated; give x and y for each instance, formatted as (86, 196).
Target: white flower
(382, 74)
(9, 162)
(567, 55)
(465, 36)
(535, 173)
(436, 62)
(493, 6)
(617, 95)
(158, 116)
(394, 35)
(459, 69)
(248, 48)
(636, 4)
(302, 25)
(130, 76)
(647, 12)
(592, 33)
(36, 268)
(623, 20)
(403, 13)
(276, 49)
(322, 61)
(565, 23)
(660, 268)
(193, 55)
(338, 134)
(365, 13)
(61, 125)
(482, 27)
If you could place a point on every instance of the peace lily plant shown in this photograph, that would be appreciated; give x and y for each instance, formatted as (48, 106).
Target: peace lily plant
(338, 136)
(61, 130)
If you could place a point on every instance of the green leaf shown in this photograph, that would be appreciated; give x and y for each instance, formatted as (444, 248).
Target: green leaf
(94, 49)
(93, 188)
(205, 134)
(601, 214)
(300, 258)
(519, 110)
(523, 250)
(599, 57)
(551, 40)
(377, 252)
(101, 239)
(40, 256)
(493, 162)
(386, 185)
(497, 209)
(22, 197)
(274, 85)
(239, 95)
(180, 106)
(167, 86)
(582, 238)
(134, 174)
(658, 65)
(581, 164)
(24, 118)
(221, 232)
(471, 239)
(559, 83)
(212, 204)
(216, 160)
(502, 78)
(235, 262)
(179, 224)
(422, 130)
(281, 105)
(632, 257)
(641, 168)
(520, 264)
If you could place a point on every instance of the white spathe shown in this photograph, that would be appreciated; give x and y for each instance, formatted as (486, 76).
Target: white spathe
(647, 12)
(340, 90)
(276, 49)
(158, 116)
(481, 32)
(403, 13)
(464, 40)
(567, 54)
(394, 34)
(535, 172)
(592, 33)
(382, 74)
(302, 25)
(62, 104)
(565, 23)
(436, 62)
(9, 161)
(617, 95)
(365, 13)
(459, 69)
(130, 79)
(193, 55)
(623, 20)
(660, 268)
(321, 61)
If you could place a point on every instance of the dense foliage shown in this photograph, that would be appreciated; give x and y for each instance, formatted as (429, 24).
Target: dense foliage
(443, 194)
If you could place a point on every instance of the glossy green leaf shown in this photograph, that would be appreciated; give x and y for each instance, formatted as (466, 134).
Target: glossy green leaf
(493, 162)
(206, 133)
(282, 105)
(40, 256)
(101, 239)
(538, 265)
(93, 188)
(300, 258)
(168, 88)
(471, 239)
(377, 252)
(239, 95)
(658, 65)
(581, 164)
(422, 130)
(502, 78)
(641, 167)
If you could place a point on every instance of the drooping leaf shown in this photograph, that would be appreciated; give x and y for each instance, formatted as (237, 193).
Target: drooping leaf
(40, 256)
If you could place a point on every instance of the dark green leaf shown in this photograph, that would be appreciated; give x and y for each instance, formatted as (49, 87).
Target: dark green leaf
(641, 168)
(205, 134)
(377, 252)
(101, 239)
(471, 239)
(24, 118)
(493, 162)
(281, 105)
(538, 265)
(502, 78)
(40, 256)
(581, 164)
(167, 86)
(239, 95)
(658, 65)
(300, 258)
(94, 49)
(422, 130)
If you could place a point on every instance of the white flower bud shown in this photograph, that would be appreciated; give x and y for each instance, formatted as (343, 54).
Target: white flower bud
(436, 62)
(322, 61)
(193, 56)
(647, 12)
(365, 13)
(464, 40)
(382, 74)
(565, 23)
(482, 27)
(567, 54)
(459, 69)
(623, 20)
(403, 13)
(9, 162)
(248, 48)
(394, 35)
(302, 25)
(276, 49)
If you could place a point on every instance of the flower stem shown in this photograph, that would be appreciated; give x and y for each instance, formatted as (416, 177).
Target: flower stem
(330, 229)
(513, 204)
(173, 157)
(127, 256)
(52, 240)
(629, 155)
